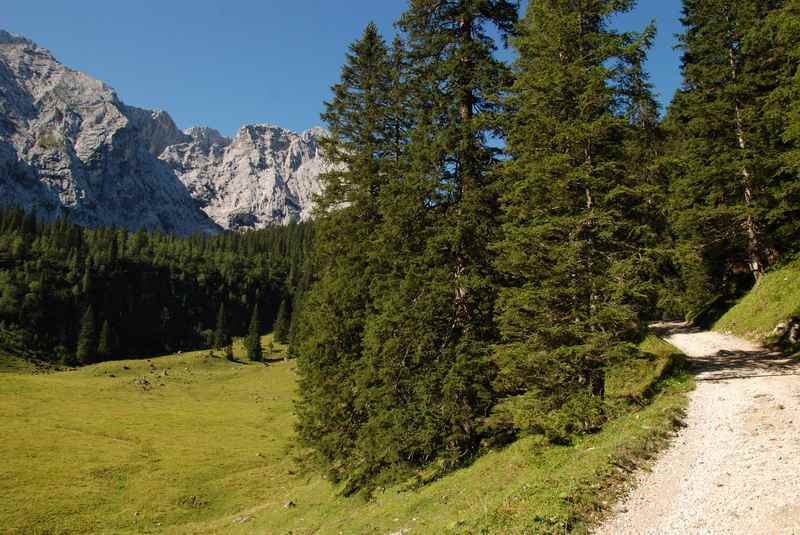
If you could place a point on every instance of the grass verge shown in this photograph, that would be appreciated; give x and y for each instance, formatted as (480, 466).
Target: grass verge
(775, 299)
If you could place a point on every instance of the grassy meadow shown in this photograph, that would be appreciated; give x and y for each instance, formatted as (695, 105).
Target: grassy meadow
(194, 444)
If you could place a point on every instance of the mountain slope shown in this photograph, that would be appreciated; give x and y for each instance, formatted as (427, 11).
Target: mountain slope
(68, 145)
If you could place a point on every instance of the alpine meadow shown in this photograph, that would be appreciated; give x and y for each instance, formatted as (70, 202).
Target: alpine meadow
(479, 300)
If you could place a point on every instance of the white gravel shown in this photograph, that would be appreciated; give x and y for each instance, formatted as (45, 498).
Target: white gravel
(735, 467)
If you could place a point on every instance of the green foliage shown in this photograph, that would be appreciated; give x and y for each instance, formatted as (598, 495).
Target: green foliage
(366, 143)
(222, 337)
(394, 336)
(86, 352)
(155, 291)
(253, 340)
(735, 204)
(282, 323)
(105, 346)
(579, 246)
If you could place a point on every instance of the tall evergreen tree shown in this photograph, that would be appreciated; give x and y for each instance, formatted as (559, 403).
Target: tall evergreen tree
(415, 368)
(282, 323)
(786, 97)
(86, 352)
(253, 340)
(575, 226)
(105, 344)
(367, 132)
(222, 337)
(732, 202)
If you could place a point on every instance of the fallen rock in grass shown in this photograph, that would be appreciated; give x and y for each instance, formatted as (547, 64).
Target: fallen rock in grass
(242, 519)
(289, 504)
(144, 383)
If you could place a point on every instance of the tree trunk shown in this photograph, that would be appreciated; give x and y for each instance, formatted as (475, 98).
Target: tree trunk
(466, 158)
(751, 227)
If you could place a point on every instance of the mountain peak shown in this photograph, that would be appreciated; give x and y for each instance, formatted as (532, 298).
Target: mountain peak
(9, 38)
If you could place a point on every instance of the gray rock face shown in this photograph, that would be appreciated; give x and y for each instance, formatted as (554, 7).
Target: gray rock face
(69, 145)
(264, 175)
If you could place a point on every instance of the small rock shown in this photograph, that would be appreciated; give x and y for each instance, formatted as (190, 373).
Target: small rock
(242, 519)
(289, 504)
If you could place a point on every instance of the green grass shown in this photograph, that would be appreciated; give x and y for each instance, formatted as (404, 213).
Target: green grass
(775, 299)
(206, 446)
(636, 380)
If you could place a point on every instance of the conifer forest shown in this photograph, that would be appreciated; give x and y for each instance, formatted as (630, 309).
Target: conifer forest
(471, 290)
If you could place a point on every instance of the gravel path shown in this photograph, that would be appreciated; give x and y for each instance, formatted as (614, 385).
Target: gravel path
(735, 467)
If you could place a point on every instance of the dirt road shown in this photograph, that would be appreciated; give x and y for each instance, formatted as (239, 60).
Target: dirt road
(735, 467)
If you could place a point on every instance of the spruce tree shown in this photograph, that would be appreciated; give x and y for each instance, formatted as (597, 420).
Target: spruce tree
(104, 346)
(253, 341)
(86, 352)
(732, 195)
(786, 97)
(407, 307)
(364, 147)
(222, 337)
(282, 324)
(575, 215)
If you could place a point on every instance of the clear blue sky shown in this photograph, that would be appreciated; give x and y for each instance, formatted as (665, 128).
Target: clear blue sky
(225, 63)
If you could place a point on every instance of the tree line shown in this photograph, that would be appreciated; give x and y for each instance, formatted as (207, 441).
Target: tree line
(75, 295)
(494, 236)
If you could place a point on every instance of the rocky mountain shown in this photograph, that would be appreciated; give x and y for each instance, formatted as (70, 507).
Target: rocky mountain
(68, 145)
(265, 174)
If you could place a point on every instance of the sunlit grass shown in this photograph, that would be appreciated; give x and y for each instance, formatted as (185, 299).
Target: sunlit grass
(193, 443)
(775, 299)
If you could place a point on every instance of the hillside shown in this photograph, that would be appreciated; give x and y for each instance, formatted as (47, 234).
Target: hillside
(774, 301)
(194, 444)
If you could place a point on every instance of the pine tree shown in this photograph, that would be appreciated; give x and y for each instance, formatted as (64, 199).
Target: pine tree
(104, 346)
(87, 342)
(407, 308)
(282, 324)
(367, 131)
(575, 225)
(222, 337)
(786, 97)
(253, 341)
(732, 197)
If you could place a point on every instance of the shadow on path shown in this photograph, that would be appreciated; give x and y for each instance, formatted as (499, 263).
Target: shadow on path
(727, 364)
(742, 364)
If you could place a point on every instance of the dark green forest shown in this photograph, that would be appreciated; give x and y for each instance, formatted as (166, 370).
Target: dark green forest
(75, 295)
(496, 236)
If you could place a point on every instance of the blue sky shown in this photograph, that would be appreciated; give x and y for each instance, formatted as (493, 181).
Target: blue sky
(232, 62)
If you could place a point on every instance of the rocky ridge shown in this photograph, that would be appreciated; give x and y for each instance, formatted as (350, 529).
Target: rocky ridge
(69, 146)
(265, 174)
